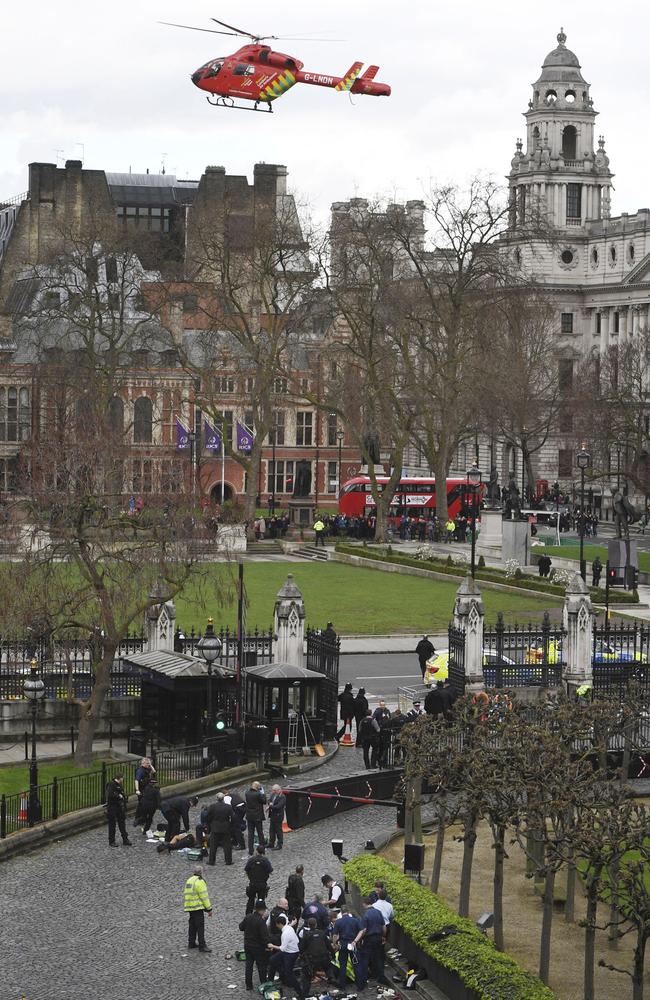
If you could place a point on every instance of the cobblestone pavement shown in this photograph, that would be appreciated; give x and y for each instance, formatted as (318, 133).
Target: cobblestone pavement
(81, 920)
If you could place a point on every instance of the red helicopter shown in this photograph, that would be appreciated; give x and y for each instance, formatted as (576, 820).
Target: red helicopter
(256, 73)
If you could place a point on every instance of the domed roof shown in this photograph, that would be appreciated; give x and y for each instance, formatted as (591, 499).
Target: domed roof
(561, 56)
(561, 63)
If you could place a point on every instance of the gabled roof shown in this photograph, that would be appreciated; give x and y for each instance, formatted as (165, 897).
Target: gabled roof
(283, 671)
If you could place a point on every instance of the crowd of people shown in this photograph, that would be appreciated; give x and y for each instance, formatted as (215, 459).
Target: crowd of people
(305, 940)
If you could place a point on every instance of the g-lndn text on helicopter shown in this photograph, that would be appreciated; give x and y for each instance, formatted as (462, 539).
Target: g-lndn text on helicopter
(256, 73)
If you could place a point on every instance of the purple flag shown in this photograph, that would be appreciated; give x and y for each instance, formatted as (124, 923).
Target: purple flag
(212, 437)
(182, 436)
(244, 438)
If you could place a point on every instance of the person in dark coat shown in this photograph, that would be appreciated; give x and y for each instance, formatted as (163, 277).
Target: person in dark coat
(149, 803)
(596, 570)
(368, 739)
(347, 703)
(177, 809)
(258, 868)
(255, 802)
(219, 821)
(295, 891)
(239, 817)
(448, 698)
(316, 910)
(256, 940)
(277, 806)
(116, 800)
(433, 703)
(424, 650)
(360, 707)
(317, 950)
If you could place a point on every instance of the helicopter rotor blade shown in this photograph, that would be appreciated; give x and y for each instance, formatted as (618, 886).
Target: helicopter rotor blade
(190, 27)
(240, 31)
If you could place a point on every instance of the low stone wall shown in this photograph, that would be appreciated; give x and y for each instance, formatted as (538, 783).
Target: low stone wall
(58, 716)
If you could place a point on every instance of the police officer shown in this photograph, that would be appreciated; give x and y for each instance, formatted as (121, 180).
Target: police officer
(219, 821)
(116, 800)
(176, 809)
(346, 929)
(258, 868)
(196, 903)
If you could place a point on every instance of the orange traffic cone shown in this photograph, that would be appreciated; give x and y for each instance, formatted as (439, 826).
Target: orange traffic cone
(285, 827)
(347, 735)
(22, 812)
(276, 735)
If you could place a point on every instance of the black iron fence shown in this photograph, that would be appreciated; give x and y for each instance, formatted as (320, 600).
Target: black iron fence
(620, 658)
(523, 656)
(456, 663)
(67, 666)
(257, 646)
(80, 791)
(323, 654)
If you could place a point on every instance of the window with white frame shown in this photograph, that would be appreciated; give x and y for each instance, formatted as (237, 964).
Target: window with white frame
(332, 477)
(15, 413)
(304, 427)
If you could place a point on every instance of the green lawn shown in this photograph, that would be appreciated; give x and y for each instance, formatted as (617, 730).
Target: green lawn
(356, 600)
(572, 551)
(15, 778)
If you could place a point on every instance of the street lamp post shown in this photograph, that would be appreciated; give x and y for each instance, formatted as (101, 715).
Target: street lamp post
(474, 479)
(34, 690)
(339, 437)
(583, 461)
(209, 646)
(274, 474)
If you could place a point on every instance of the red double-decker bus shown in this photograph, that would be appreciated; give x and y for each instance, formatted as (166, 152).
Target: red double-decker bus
(415, 497)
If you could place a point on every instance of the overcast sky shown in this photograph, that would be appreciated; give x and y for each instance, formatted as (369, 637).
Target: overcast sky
(107, 83)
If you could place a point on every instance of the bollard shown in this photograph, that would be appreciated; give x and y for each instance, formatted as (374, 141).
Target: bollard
(72, 738)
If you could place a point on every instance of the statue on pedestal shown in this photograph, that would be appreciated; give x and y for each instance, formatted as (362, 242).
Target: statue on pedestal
(493, 490)
(302, 484)
(512, 508)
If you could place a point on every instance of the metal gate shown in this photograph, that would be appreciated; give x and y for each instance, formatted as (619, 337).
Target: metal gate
(323, 656)
(457, 660)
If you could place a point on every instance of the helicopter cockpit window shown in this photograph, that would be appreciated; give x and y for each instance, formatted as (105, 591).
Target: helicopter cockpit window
(242, 69)
(213, 68)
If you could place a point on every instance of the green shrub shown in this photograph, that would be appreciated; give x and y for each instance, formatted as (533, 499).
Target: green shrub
(518, 574)
(493, 975)
(490, 574)
(481, 562)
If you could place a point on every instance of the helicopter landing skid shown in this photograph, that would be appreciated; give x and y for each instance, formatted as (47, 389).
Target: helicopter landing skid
(227, 102)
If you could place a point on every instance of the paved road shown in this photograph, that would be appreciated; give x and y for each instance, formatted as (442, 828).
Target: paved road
(380, 674)
(80, 919)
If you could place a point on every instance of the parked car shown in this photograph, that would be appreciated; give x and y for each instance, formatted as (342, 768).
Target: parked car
(438, 666)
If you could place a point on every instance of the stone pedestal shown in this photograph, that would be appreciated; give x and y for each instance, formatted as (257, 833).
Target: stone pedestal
(469, 616)
(578, 619)
(301, 512)
(490, 539)
(516, 541)
(289, 624)
(160, 620)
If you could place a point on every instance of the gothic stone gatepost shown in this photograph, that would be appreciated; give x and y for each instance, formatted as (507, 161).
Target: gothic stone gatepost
(578, 617)
(289, 624)
(469, 615)
(159, 621)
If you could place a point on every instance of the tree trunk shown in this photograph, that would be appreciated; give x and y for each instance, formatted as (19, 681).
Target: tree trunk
(497, 905)
(613, 933)
(590, 939)
(466, 870)
(639, 963)
(570, 906)
(417, 810)
(547, 923)
(440, 844)
(441, 468)
(90, 709)
(252, 491)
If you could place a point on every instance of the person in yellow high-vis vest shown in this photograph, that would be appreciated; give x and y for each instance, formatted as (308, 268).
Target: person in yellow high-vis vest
(196, 902)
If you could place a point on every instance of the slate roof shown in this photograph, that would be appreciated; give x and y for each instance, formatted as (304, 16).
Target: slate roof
(283, 671)
(174, 664)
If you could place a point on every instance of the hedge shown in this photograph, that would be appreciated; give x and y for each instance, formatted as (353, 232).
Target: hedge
(489, 575)
(492, 974)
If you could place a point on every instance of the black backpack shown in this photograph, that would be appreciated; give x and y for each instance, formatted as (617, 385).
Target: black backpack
(257, 873)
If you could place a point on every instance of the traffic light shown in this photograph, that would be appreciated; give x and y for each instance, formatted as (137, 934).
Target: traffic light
(611, 575)
(220, 722)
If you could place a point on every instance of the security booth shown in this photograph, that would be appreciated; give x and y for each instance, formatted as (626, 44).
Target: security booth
(175, 694)
(276, 694)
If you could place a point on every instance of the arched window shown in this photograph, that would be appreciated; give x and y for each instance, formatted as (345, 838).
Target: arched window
(569, 142)
(535, 137)
(116, 415)
(143, 420)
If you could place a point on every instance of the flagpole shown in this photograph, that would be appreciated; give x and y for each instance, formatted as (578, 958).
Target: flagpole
(223, 467)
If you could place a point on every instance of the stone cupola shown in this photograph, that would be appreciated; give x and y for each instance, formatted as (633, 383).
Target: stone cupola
(559, 175)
